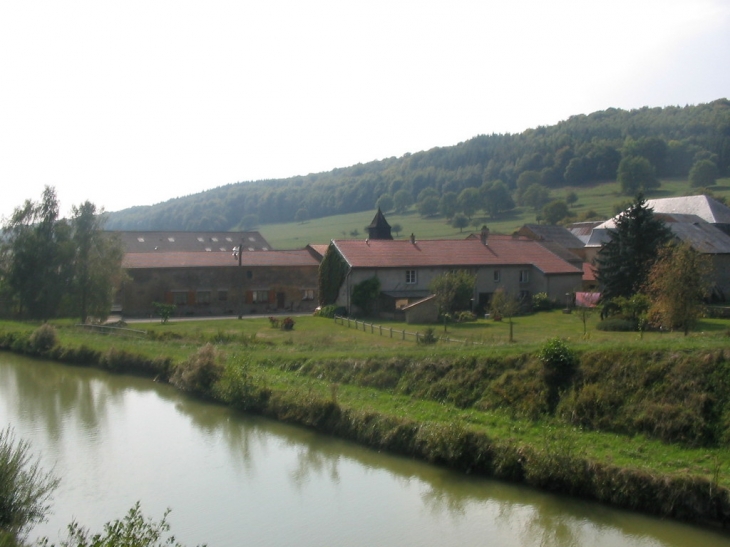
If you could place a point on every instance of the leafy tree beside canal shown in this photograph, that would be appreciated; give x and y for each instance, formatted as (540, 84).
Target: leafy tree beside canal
(51, 266)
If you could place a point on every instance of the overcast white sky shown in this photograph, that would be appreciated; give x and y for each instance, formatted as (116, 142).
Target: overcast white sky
(138, 101)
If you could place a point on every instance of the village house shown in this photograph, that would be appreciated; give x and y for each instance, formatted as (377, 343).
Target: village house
(214, 273)
(406, 268)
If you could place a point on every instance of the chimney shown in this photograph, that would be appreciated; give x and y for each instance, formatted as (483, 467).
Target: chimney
(484, 235)
(413, 239)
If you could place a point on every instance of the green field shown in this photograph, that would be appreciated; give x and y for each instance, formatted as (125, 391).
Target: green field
(600, 198)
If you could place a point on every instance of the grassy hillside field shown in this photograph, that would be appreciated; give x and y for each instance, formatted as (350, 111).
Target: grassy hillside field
(600, 198)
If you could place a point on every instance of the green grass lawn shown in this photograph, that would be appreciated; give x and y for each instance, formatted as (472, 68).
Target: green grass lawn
(271, 352)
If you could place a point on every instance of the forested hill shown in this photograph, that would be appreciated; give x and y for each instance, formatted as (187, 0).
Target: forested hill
(579, 151)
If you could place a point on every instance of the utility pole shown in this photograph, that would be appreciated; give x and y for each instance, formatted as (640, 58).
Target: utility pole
(237, 252)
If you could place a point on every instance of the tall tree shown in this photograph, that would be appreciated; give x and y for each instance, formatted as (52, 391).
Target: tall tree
(555, 211)
(447, 205)
(636, 174)
(385, 202)
(401, 200)
(496, 198)
(460, 221)
(36, 256)
(453, 290)
(703, 173)
(97, 263)
(625, 260)
(678, 283)
(468, 201)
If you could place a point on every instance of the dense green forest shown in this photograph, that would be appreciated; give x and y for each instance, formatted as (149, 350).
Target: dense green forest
(493, 173)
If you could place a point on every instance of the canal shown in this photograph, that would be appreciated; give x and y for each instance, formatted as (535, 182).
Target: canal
(236, 480)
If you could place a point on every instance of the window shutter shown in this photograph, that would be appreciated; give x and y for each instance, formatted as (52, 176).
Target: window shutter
(272, 296)
(168, 298)
(249, 297)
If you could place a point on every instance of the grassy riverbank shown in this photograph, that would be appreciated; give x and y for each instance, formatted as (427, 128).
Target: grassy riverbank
(644, 422)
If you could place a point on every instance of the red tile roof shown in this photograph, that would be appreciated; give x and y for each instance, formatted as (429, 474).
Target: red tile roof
(218, 259)
(499, 251)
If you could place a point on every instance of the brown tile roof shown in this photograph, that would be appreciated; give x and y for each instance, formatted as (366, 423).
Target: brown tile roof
(196, 259)
(319, 249)
(499, 251)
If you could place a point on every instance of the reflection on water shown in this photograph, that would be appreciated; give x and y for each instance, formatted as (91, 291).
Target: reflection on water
(233, 479)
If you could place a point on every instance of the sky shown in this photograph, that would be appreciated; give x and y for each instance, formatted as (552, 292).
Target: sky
(136, 102)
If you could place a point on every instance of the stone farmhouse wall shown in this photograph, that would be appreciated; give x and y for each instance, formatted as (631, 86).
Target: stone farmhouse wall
(205, 291)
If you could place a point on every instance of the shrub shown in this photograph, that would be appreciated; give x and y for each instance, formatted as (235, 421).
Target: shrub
(428, 337)
(559, 364)
(287, 324)
(328, 311)
(25, 488)
(541, 302)
(465, 317)
(618, 324)
(165, 311)
(133, 530)
(199, 372)
(43, 338)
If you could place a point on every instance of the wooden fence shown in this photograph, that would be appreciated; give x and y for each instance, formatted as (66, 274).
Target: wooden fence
(396, 333)
(118, 331)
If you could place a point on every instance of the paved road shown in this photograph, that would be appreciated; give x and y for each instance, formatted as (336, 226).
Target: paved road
(116, 318)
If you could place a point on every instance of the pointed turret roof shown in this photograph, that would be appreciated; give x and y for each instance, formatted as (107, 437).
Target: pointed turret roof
(379, 227)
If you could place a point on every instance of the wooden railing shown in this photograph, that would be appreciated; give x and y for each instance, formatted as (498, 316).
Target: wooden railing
(106, 329)
(395, 333)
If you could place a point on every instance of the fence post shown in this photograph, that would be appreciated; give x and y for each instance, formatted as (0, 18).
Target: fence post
(381, 329)
(417, 337)
(391, 332)
(404, 334)
(372, 328)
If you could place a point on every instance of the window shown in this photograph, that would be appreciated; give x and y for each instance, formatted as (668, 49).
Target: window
(260, 296)
(308, 294)
(202, 297)
(524, 276)
(249, 274)
(222, 295)
(411, 277)
(171, 239)
(180, 298)
(497, 276)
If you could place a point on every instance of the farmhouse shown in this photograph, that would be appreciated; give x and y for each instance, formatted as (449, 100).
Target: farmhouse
(215, 283)
(214, 273)
(406, 268)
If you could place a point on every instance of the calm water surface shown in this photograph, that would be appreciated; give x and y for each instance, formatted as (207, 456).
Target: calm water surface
(236, 480)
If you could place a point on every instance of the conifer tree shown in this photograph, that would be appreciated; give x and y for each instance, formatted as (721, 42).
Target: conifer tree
(624, 262)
